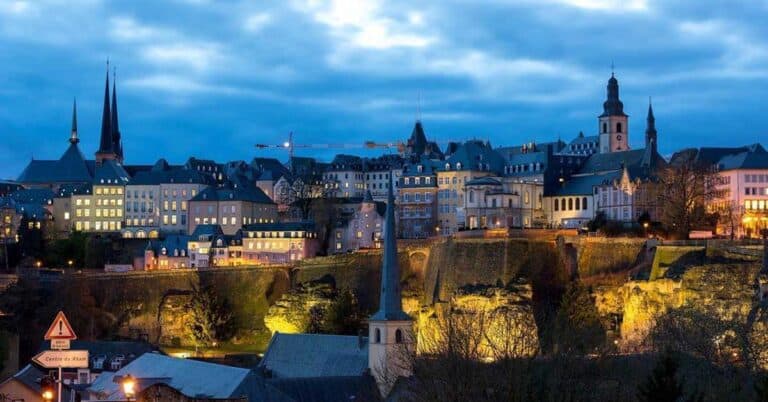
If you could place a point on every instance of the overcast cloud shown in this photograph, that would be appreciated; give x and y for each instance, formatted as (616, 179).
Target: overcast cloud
(211, 78)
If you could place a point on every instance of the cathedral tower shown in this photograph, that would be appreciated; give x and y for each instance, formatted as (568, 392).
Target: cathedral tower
(613, 123)
(391, 341)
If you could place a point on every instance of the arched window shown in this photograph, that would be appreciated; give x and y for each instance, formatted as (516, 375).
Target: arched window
(584, 202)
(471, 196)
(618, 127)
(377, 336)
(570, 204)
(605, 127)
(398, 336)
(578, 204)
(557, 205)
(562, 204)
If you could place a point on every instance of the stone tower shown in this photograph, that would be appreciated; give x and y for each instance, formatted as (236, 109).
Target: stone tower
(391, 342)
(613, 123)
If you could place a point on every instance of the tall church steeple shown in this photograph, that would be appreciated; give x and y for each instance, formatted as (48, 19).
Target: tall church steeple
(106, 149)
(73, 135)
(613, 123)
(651, 136)
(117, 144)
(390, 330)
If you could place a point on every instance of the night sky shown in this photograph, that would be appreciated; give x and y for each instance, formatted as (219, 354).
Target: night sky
(211, 78)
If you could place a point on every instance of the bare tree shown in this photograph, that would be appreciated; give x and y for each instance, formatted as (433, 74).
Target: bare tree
(684, 190)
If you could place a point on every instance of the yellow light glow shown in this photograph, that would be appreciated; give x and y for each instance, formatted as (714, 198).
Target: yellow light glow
(129, 386)
(48, 395)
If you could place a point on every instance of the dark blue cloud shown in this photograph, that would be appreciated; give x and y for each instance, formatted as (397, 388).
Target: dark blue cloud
(210, 79)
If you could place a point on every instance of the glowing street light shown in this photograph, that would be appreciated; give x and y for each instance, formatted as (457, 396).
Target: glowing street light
(129, 386)
(70, 262)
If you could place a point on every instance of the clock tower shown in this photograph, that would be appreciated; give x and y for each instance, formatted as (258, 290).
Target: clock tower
(613, 123)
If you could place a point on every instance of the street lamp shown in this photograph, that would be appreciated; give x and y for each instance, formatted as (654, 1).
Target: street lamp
(129, 386)
(38, 264)
(47, 386)
(70, 262)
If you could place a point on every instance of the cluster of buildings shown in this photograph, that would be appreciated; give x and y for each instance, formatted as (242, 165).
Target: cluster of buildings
(202, 212)
(295, 367)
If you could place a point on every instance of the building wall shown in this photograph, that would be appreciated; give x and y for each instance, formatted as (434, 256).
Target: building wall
(14, 390)
(450, 198)
(174, 205)
(745, 196)
(261, 247)
(142, 208)
(345, 183)
(377, 181)
(231, 215)
(108, 208)
(62, 214)
(571, 217)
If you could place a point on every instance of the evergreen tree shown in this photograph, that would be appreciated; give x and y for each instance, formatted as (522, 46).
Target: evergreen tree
(577, 325)
(212, 318)
(343, 316)
(662, 385)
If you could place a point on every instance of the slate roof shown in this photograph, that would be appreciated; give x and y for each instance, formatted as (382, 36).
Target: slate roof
(71, 167)
(206, 230)
(472, 153)
(342, 162)
(110, 172)
(68, 189)
(233, 192)
(329, 389)
(168, 174)
(483, 181)
(37, 196)
(190, 377)
(584, 185)
(315, 355)
(7, 187)
(171, 243)
(744, 160)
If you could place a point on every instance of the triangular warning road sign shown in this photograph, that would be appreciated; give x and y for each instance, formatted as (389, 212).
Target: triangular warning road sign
(60, 329)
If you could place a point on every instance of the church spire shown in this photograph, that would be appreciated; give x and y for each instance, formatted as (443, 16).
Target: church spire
(105, 142)
(117, 145)
(73, 135)
(390, 302)
(650, 129)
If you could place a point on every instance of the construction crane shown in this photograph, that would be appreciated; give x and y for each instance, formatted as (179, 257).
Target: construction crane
(290, 145)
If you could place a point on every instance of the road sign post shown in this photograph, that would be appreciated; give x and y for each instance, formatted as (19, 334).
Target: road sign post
(60, 333)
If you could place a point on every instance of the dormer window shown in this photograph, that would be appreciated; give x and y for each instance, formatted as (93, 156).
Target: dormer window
(458, 165)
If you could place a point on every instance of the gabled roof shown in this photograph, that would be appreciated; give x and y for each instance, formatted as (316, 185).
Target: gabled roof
(744, 160)
(233, 192)
(30, 377)
(472, 154)
(72, 166)
(110, 172)
(190, 377)
(206, 230)
(315, 355)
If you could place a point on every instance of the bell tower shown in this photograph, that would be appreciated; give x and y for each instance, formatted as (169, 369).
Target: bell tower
(613, 124)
